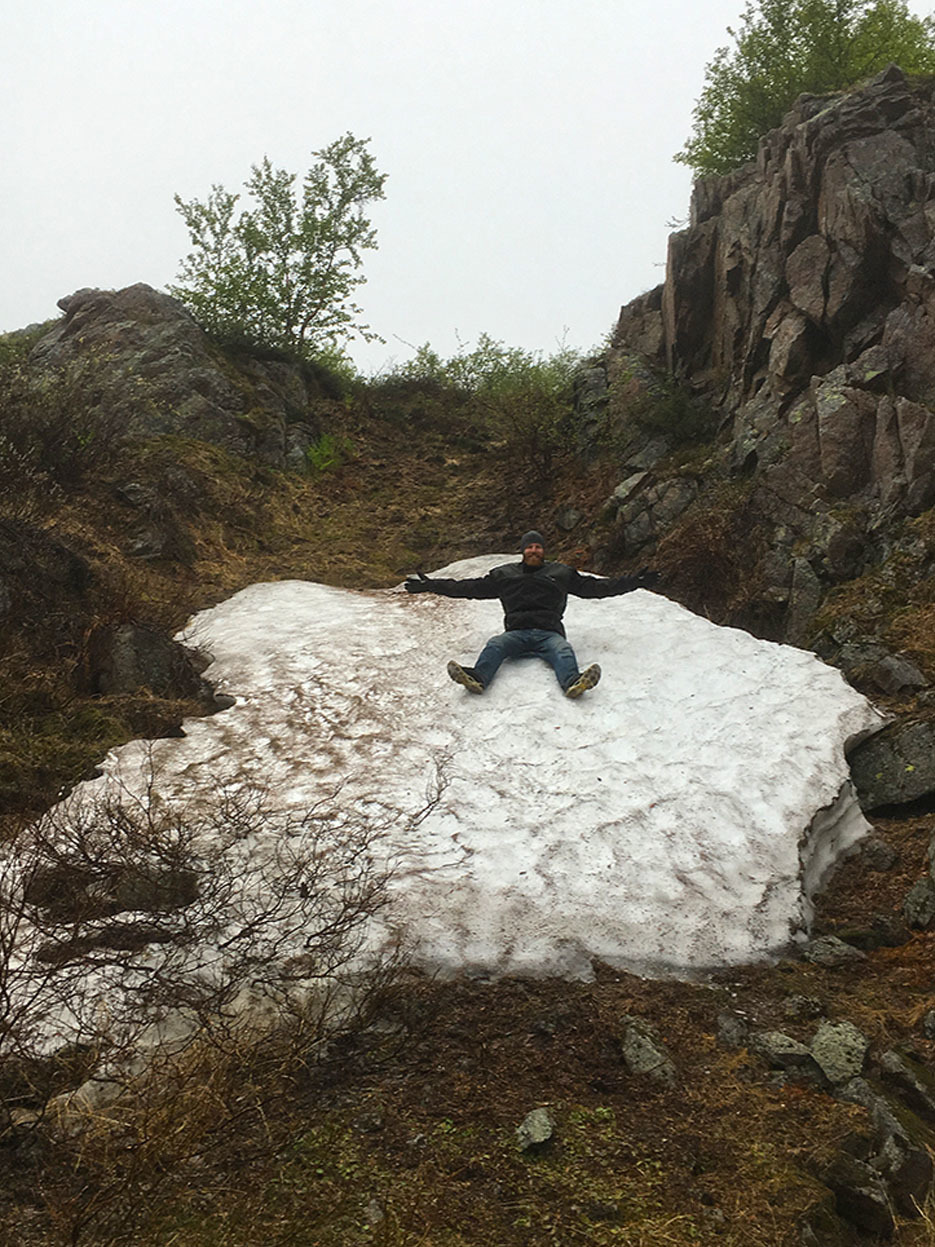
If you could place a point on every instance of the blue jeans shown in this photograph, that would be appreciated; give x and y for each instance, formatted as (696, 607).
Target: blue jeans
(528, 643)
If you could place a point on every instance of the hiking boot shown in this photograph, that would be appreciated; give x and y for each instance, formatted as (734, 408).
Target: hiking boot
(465, 676)
(587, 679)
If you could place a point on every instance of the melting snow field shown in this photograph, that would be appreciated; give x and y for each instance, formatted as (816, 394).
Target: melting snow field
(675, 818)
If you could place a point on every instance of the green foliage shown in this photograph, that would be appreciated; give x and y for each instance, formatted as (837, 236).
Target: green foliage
(15, 346)
(783, 48)
(281, 273)
(524, 397)
(329, 452)
(334, 371)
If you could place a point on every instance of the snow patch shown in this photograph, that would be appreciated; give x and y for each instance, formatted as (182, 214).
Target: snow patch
(677, 817)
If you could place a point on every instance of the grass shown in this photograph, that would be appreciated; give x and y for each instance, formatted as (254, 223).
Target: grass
(406, 1135)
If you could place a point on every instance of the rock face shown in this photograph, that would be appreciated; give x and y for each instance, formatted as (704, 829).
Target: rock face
(162, 373)
(801, 303)
(124, 658)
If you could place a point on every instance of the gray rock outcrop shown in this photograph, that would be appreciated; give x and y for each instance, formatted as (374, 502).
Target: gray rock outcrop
(162, 374)
(800, 302)
(126, 658)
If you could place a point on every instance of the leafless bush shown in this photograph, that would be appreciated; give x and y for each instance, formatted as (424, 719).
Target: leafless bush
(25, 489)
(221, 939)
(134, 921)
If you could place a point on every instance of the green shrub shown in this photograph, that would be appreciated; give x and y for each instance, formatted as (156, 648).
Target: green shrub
(783, 48)
(523, 398)
(329, 452)
(676, 412)
(282, 271)
(15, 346)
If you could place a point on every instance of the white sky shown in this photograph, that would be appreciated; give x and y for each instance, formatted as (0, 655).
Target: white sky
(528, 145)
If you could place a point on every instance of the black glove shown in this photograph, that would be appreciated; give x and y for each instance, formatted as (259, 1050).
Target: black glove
(419, 583)
(645, 578)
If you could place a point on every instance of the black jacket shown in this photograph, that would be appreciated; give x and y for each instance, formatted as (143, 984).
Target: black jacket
(534, 597)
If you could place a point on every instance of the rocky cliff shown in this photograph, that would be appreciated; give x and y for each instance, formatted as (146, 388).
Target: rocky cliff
(799, 305)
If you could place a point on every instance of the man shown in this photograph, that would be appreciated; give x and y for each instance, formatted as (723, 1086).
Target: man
(533, 594)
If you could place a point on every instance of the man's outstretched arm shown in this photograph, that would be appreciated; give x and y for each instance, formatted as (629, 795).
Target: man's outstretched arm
(612, 586)
(470, 587)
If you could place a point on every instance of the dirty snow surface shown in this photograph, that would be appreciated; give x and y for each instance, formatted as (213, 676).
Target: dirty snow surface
(675, 818)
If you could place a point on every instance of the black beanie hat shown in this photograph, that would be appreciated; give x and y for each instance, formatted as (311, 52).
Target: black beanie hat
(531, 539)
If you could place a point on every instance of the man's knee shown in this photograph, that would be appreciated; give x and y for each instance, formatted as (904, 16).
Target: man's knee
(559, 644)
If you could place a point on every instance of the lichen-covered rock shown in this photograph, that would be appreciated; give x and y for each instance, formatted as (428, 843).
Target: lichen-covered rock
(535, 1129)
(895, 766)
(919, 905)
(828, 950)
(839, 1049)
(781, 1051)
(644, 1053)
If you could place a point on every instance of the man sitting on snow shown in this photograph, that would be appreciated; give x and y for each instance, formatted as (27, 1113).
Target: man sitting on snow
(533, 593)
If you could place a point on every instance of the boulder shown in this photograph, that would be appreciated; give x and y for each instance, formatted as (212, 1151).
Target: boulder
(839, 1050)
(732, 1029)
(895, 766)
(127, 658)
(914, 1083)
(901, 1147)
(829, 951)
(919, 905)
(780, 1051)
(876, 853)
(893, 674)
(861, 1196)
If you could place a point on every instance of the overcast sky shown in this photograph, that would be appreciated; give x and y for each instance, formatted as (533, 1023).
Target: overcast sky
(528, 146)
